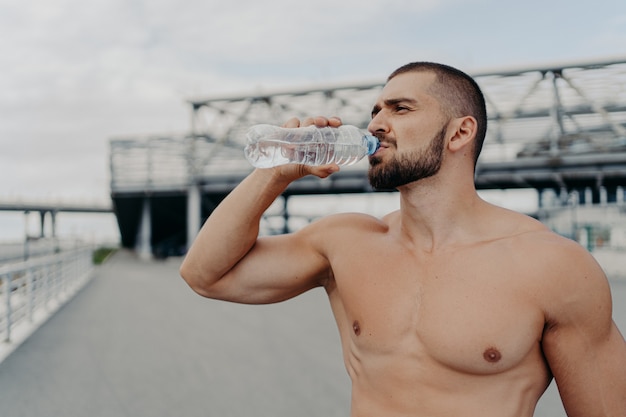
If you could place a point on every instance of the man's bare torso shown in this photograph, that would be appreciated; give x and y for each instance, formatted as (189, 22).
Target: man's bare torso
(455, 331)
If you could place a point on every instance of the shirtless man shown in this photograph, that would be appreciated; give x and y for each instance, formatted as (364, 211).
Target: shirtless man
(448, 307)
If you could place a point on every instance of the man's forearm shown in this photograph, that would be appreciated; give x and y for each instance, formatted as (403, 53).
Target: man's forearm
(231, 230)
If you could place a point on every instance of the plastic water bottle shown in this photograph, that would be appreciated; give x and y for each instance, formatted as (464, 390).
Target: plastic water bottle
(268, 146)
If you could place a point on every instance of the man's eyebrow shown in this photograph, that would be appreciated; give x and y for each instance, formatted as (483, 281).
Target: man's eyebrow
(394, 101)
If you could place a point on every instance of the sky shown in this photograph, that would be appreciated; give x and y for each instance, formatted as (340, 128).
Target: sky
(75, 74)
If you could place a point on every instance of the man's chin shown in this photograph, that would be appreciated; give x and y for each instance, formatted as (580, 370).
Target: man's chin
(374, 161)
(378, 183)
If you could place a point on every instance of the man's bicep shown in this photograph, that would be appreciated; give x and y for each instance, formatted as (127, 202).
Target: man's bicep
(590, 372)
(275, 269)
(585, 351)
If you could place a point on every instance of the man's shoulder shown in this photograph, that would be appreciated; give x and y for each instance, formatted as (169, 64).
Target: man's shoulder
(548, 249)
(562, 270)
(518, 229)
(536, 237)
(549, 256)
(336, 230)
(525, 230)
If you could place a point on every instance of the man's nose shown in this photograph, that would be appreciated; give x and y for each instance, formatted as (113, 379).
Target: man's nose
(378, 124)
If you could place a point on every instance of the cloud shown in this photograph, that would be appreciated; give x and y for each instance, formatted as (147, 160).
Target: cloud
(610, 38)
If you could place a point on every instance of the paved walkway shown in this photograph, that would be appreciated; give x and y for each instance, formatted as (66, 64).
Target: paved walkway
(137, 342)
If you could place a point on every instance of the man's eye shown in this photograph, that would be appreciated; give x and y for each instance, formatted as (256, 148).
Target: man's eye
(401, 108)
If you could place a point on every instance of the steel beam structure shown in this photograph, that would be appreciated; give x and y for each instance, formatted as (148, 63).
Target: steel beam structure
(555, 109)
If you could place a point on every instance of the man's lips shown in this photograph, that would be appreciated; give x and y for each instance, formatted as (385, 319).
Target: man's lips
(383, 145)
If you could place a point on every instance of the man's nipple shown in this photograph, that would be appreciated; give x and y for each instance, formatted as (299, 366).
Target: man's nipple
(492, 355)
(356, 327)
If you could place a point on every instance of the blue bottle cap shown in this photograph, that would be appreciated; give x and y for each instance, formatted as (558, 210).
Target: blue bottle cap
(372, 143)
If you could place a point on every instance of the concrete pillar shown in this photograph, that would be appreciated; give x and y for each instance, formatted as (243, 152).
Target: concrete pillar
(143, 246)
(588, 196)
(42, 220)
(193, 213)
(53, 223)
(604, 198)
(564, 196)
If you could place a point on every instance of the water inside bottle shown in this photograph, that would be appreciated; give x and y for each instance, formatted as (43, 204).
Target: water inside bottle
(326, 153)
(266, 154)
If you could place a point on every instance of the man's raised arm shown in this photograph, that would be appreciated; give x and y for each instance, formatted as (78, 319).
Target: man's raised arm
(228, 261)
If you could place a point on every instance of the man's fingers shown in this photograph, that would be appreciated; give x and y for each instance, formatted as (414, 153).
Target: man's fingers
(324, 171)
(319, 121)
(293, 172)
(334, 121)
(293, 122)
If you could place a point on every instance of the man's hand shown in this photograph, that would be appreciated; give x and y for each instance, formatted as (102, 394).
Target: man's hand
(292, 172)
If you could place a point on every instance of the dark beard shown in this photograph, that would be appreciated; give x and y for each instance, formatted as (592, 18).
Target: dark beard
(405, 169)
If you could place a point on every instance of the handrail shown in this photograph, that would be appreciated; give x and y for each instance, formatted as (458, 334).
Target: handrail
(35, 288)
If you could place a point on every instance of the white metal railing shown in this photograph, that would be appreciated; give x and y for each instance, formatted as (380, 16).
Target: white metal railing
(36, 287)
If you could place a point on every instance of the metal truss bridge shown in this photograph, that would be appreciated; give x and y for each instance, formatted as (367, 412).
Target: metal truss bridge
(560, 127)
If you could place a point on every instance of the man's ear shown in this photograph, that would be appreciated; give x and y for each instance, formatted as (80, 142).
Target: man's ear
(464, 133)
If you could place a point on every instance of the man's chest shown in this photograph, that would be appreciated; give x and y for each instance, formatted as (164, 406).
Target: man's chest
(469, 316)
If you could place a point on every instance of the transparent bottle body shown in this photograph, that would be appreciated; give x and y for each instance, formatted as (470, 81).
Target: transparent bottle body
(269, 146)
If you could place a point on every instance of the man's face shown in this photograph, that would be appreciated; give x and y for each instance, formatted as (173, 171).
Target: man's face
(411, 127)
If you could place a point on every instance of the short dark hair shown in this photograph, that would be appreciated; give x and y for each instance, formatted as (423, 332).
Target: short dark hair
(458, 93)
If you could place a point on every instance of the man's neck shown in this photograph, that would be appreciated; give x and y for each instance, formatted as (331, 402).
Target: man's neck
(435, 214)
